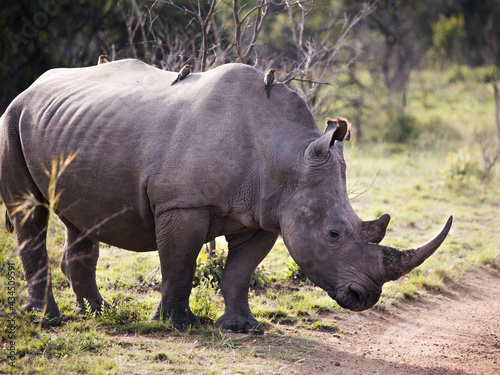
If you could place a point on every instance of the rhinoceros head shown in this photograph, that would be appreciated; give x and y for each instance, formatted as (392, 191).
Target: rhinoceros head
(336, 249)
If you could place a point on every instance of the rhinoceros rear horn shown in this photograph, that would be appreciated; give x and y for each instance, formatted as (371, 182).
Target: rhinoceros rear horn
(396, 263)
(336, 130)
(374, 231)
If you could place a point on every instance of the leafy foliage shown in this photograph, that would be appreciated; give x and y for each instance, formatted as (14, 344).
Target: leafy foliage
(448, 36)
(401, 128)
(461, 165)
(296, 274)
(204, 302)
(210, 269)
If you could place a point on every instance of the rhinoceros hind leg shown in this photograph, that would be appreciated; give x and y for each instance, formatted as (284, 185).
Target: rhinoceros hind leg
(31, 237)
(246, 251)
(79, 263)
(180, 235)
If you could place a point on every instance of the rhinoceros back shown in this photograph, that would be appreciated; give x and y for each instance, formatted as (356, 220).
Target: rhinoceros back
(144, 145)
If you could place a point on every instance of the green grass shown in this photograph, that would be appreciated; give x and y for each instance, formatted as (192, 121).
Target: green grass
(419, 184)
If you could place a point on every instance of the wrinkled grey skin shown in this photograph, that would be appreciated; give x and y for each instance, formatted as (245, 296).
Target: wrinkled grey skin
(172, 167)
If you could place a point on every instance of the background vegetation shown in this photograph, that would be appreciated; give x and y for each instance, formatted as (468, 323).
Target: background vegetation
(416, 79)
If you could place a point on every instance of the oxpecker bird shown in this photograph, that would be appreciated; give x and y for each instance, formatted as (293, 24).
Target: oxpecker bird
(269, 81)
(102, 59)
(185, 71)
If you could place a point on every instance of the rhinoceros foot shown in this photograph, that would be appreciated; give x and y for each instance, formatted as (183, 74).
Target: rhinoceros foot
(92, 305)
(240, 323)
(179, 318)
(51, 312)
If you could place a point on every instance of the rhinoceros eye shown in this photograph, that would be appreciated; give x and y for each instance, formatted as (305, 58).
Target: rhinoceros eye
(334, 234)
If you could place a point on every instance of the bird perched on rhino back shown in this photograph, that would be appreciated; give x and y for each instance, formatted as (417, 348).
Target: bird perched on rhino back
(102, 59)
(185, 71)
(269, 81)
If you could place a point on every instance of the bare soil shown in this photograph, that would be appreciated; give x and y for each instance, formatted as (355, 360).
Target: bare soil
(453, 333)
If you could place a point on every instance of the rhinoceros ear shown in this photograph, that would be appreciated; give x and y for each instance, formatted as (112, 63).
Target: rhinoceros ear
(341, 128)
(336, 130)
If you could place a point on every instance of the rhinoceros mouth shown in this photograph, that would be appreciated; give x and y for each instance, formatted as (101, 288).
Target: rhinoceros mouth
(354, 297)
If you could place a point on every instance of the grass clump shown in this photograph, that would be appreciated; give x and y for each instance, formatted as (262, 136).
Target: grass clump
(326, 325)
(205, 301)
(116, 314)
(291, 305)
(62, 345)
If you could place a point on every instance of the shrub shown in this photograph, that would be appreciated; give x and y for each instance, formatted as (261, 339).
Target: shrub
(211, 269)
(296, 274)
(461, 165)
(457, 73)
(119, 313)
(260, 276)
(401, 127)
(485, 74)
(203, 301)
(448, 34)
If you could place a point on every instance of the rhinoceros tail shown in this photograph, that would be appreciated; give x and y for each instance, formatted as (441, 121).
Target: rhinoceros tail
(8, 223)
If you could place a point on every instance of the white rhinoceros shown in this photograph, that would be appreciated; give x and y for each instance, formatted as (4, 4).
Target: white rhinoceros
(172, 167)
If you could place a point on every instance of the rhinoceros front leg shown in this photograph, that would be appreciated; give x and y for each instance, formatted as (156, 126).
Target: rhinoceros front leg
(180, 235)
(245, 253)
(79, 263)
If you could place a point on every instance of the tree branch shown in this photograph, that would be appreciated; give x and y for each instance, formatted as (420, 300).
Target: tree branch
(204, 32)
(237, 30)
(259, 22)
(497, 109)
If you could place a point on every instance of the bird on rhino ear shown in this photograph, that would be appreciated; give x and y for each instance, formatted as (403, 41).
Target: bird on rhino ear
(338, 130)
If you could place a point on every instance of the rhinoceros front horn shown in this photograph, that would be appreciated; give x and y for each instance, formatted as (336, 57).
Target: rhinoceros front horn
(396, 262)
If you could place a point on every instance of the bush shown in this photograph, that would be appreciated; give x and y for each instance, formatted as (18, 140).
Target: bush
(461, 165)
(211, 269)
(448, 35)
(458, 73)
(120, 312)
(203, 301)
(485, 74)
(296, 274)
(401, 127)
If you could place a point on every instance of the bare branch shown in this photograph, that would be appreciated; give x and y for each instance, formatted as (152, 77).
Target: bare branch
(484, 140)
(497, 109)
(183, 8)
(237, 30)
(262, 9)
(259, 22)
(354, 192)
(204, 21)
(130, 33)
(310, 81)
(196, 14)
(262, 4)
(204, 31)
(318, 54)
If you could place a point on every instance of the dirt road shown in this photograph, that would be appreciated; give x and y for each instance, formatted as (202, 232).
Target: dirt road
(456, 333)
